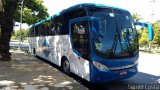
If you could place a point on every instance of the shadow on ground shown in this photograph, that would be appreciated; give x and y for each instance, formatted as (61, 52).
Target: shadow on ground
(139, 79)
(24, 72)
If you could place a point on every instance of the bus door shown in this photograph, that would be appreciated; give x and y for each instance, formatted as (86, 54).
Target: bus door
(80, 53)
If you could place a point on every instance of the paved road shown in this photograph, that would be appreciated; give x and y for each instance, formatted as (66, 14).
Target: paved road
(148, 75)
(15, 45)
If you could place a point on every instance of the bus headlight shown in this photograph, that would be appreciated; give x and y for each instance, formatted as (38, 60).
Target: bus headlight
(100, 66)
(136, 62)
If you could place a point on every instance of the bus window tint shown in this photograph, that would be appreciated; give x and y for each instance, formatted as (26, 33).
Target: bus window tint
(31, 32)
(36, 30)
(80, 37)
(58, 25)
(47, 25)
(53, 31)
(116, 35)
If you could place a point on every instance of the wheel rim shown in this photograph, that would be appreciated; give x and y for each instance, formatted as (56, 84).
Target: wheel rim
(66, 66)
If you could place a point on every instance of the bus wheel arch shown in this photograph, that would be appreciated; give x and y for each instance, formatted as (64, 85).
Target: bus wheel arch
(65, 65)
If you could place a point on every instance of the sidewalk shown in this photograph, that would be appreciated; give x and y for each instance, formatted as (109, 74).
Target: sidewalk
(25, 72)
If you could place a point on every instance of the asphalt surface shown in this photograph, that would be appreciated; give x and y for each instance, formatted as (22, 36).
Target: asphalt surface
(26, 72)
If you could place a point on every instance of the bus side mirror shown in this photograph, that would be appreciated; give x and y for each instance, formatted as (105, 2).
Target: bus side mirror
(149, 27)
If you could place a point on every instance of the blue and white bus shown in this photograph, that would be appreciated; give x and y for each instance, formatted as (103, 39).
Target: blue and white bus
(96, 42)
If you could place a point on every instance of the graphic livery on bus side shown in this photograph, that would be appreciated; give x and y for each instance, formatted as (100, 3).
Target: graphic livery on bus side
(98, 43)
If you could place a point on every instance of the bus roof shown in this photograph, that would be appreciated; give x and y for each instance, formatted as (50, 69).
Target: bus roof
(89, 5)
(77, 6)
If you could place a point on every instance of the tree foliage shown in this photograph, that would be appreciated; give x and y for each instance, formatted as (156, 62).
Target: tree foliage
(143, 35)
(156, 28)
(136, 17)
(33, 11)
(143, 39)
(1, 7)
(24, 34)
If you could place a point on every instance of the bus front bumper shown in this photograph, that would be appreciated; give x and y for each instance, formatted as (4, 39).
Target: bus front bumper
(98, 76)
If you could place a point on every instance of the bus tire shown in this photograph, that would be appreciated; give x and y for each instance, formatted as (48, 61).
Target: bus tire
(66, 66)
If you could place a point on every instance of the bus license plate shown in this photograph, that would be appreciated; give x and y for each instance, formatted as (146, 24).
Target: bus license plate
(122, 72)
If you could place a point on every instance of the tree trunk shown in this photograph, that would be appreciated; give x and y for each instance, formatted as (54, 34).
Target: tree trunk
(7, 28)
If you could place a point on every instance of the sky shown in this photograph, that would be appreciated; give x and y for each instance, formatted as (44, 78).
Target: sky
(142, 7)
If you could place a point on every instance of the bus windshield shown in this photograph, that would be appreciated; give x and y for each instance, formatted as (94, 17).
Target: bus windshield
(115, 35)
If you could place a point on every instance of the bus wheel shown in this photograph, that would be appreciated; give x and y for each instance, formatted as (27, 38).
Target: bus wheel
(66, 66)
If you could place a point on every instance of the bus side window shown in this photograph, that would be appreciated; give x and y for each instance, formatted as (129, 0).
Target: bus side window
(40, 30)
(53, 31)
(36, 31)
(80, 38)
(53, 27)
(43, 33)
(59, 25)
(47, 28)
(59, 28)
(31, 33)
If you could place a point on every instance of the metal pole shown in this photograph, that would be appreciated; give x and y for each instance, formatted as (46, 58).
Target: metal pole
(19, 48)
(153, 1)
